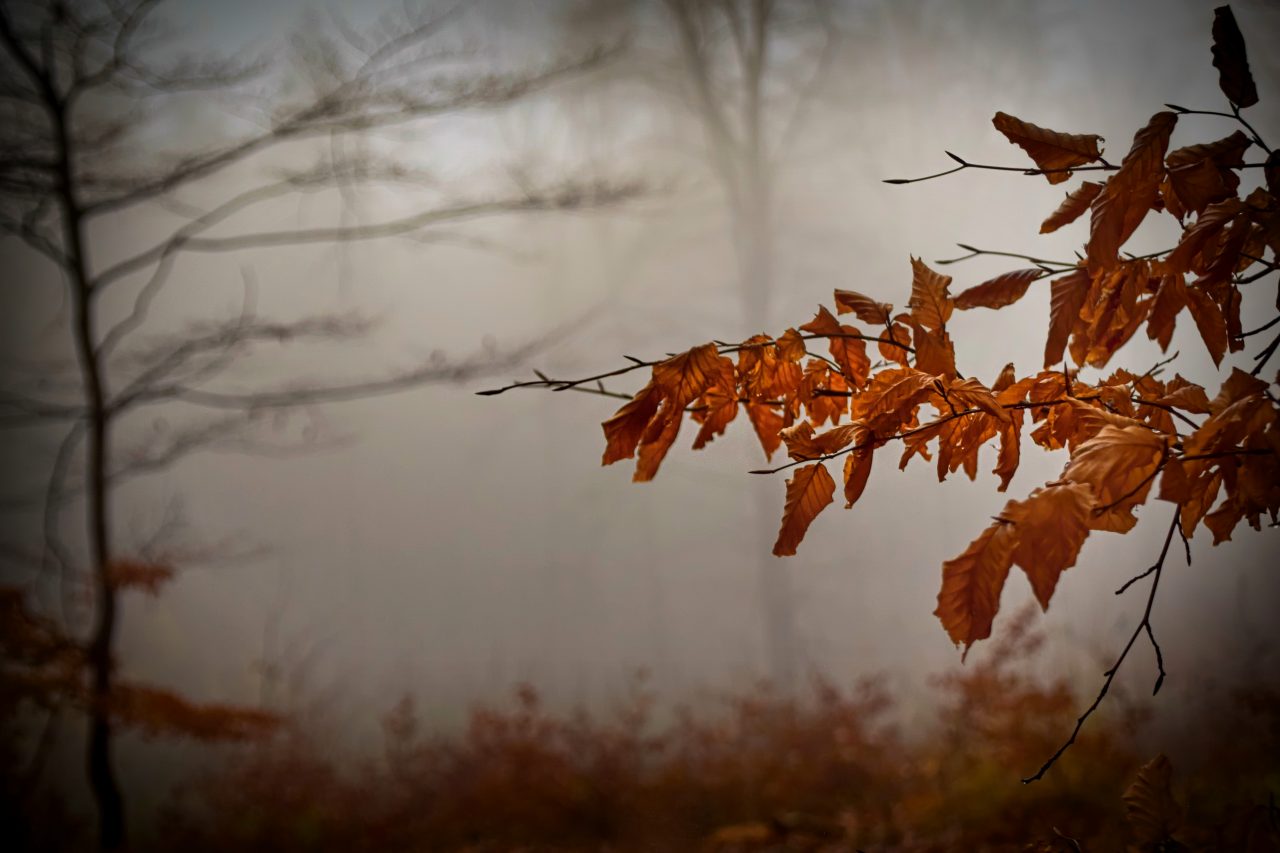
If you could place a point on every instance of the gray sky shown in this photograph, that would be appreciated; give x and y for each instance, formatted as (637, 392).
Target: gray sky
(449, 545)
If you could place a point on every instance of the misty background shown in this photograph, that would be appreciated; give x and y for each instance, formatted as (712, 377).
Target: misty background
(446, 545)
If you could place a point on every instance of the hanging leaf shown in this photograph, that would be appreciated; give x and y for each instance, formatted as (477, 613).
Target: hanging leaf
(1230, 59)
(972, 583)
(1052, 524)
(1130, 193)
(1067, 294)
(808, 493)
(1076, 203)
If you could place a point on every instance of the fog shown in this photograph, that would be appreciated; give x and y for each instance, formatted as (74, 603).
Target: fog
(448, 546)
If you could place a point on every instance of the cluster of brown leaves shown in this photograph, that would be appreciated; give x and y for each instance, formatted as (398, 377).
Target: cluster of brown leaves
(1216, 456)
(751, 770)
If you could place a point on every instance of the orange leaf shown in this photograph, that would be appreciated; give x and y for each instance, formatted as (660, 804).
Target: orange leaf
(930, 303)
(1231, 60)
(1067, 296)
(1052, 525)
(622, 432)
(1010, 452)
(1120, 463)
(849, 352)
(1076, 203)
(808, 493)
(791, 346)
(892, 397)
(898, 350)
(972, 583)
(1130, 193)
(683, 377)
(720, 406)
(767, 423)
(1052, 151)
(934, 351)
(864, 307)
(657, 440)
(1000, 291)
(857, 468)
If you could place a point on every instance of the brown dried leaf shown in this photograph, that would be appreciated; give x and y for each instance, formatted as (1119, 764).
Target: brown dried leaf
(864, 307)
(930, 302)
(1052, 151)
(1130, 193)
(808, 493)
(1076, 203)
(1000, 291)
(972, 583)
(1067, 297)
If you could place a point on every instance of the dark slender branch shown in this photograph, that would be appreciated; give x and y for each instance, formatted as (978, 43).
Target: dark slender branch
(965, 164)
(1234, 114)
(973, 253)
(636, 364)
(1263, 357)
(1143, 626)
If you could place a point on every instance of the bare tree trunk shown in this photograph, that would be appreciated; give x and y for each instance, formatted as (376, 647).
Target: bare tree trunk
(101, 772)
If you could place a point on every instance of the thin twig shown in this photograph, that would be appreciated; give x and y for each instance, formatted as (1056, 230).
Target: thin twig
(1144, 626)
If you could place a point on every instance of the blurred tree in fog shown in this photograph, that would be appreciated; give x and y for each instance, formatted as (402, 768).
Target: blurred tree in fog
(89, 90)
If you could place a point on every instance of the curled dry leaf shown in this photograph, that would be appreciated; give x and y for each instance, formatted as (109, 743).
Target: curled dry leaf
(863, 307)
(1053, 152)
(1231, 60)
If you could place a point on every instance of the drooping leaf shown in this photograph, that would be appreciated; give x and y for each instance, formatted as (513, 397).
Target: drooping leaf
(857, 469)
(1000, 291)
(1130, 193)
(767, 423)
(1052, 151)
(1210, 322)
(1076, 203)
(809, 492)
(1051, 524)
(622, 432)
(1170, 299)
(972, 583)
(1067, 294)
(930, 303)
(1231, 60)
(657, 440)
